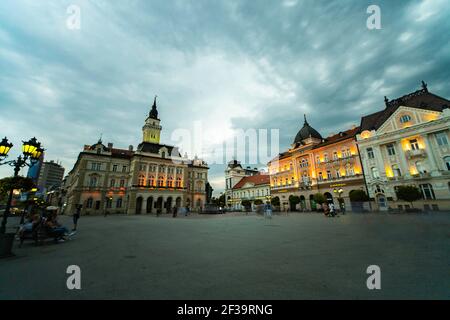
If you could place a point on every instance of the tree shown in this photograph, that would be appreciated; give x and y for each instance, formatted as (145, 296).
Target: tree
(294, 200)
(358, 196)
(258, 202)
(246, 204)
(408, 193)
(275, 201)
(319, 198)
(221, 201)
(21, 183)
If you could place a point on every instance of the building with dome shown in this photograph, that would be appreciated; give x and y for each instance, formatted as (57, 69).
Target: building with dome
(314, 164)
(152, 178)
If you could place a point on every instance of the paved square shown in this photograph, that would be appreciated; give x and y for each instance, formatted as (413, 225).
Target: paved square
(299, 256)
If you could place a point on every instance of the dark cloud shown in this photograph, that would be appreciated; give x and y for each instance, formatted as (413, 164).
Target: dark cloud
(229, 64)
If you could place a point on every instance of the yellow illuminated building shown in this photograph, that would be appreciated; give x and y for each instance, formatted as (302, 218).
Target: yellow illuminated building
(330, 166)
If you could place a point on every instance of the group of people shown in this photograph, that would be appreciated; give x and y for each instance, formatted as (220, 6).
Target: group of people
(49, 221)
(330, 211)
(175, 211)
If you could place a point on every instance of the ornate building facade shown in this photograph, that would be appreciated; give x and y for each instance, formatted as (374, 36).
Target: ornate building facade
(153, 178)
(407, 143)
(233, 174)
(251, 188)
(330, 166)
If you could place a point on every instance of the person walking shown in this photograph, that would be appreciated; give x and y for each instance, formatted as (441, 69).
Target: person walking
(174, 212)
(76, 216)
(332, 211)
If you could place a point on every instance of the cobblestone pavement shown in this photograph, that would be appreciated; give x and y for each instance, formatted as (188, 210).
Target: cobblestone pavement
(238, 256)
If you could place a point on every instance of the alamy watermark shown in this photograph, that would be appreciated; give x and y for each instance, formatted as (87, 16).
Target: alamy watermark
(73, 21)
(74, 280)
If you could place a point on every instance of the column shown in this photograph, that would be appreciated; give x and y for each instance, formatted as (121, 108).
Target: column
(404, 163)
(379, 160)
(430, 153)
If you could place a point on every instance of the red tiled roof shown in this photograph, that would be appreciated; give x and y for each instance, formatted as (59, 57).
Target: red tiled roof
(344, 135)
(257, 180)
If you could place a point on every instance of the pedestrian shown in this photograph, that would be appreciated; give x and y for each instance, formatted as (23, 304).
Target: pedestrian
(76, 216)
(332, 211)
(186, 212)
(174, 212)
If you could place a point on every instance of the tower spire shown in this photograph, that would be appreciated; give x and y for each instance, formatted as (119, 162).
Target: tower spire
(154, 113)
(306, 121)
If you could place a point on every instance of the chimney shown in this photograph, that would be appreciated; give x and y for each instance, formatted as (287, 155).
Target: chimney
(130, 148)
(110, 145)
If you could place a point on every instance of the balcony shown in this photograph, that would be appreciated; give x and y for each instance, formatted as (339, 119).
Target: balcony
(419, 153)
(343, 178)
(422, 175)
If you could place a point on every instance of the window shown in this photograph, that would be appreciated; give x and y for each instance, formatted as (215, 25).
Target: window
(160, 181)
(141, 180)
(427, 191)
(151, 181)
(349, 171)
(441, 138)
(170, 182)
(375, 173)
(404, 119)
(370, 153)
(163, 154)
(335, 155)
(114, 168)
(329, 176)
(112, 183)
(396, 171)
(325, 157)
(119, 203)
(93, 182)
(96, 166)
(142, 167)
(124, 169)
(89, 203)
(320, 176)
(390, 149)
(178, 183)
(122, 183)
(447, 162)
(338, 174)
(318, 160)
(414, 144)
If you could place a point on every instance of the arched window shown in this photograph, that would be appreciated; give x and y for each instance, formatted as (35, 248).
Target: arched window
(178, 183)
(160, 181)
(170, 182)
(119, 203)
(396, 170)
(447, 162)
(151, 181)
(141, 180)
(93, 181)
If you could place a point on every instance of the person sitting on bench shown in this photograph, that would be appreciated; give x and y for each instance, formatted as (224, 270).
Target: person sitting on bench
(58, 231)
(32, 221)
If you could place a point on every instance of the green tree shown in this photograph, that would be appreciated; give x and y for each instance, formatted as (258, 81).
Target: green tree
(246, 204)
(358, 196)
(408, 193)
(221, 201)
(275, 201)
(21, 183)
(258, 202)
(319, 198)
(294, 201)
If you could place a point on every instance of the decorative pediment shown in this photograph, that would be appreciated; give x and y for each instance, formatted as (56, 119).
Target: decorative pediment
(405, 117)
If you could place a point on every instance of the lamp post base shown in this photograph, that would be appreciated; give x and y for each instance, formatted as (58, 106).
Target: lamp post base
(6, 243)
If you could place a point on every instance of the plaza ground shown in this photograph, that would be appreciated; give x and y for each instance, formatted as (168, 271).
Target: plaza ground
(234, 256)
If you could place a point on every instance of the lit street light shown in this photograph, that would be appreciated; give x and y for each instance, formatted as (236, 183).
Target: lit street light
(31, 152)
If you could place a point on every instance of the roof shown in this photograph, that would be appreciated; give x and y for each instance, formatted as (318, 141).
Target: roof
(420, 99)
(153, 113)
(341, 136)
(257, 180)
(121, 153)
(155, 147)
(306, 132)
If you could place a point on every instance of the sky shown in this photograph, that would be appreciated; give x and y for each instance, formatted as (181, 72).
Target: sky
(218, 65)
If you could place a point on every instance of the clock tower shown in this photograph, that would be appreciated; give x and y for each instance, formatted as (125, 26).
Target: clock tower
(152, 129)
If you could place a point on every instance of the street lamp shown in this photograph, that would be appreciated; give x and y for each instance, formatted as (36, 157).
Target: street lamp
(31, 152)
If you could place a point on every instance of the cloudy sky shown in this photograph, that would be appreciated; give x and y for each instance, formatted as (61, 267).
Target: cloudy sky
(219, 64)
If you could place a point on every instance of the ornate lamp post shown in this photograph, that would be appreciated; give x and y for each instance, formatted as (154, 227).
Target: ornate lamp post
(31, 152)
